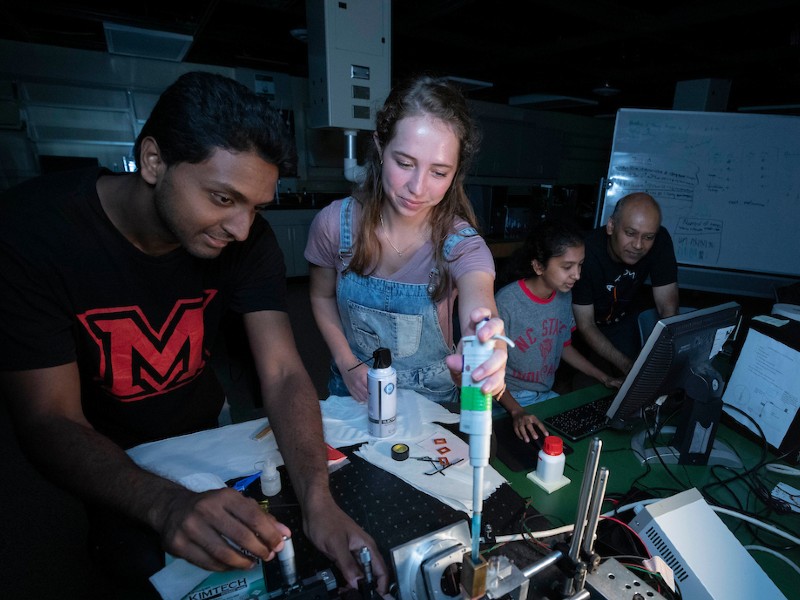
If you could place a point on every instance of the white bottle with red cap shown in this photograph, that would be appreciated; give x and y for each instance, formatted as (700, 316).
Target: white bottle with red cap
(550, 468)
(549, 473)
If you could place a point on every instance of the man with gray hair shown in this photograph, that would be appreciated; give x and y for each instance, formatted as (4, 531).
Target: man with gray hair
(619, 258)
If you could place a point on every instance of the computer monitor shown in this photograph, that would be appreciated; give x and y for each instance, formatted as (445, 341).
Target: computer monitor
(677, 359)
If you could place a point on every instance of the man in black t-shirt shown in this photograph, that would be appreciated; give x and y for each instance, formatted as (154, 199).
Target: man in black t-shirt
(619, 258)
(114, 286)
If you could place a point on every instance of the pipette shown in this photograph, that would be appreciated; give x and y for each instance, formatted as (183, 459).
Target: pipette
(476, 420)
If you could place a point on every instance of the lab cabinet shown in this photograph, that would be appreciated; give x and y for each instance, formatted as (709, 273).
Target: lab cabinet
(291, 229)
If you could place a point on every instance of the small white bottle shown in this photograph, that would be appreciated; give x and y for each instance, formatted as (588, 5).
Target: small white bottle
(382, 391)
(550, 468)
(270, 478)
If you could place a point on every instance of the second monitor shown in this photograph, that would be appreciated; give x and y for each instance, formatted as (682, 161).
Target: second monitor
(677, 358)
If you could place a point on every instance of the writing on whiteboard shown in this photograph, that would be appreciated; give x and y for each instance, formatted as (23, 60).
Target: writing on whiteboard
(697, 240)
(728, 184)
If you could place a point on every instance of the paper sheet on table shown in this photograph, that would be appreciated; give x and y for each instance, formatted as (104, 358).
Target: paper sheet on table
(227, 452)
(452, 487)
(231, 451)
(345, 420)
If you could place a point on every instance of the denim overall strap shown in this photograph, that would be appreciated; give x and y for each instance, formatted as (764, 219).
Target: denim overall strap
(376, 313)
(346, 231)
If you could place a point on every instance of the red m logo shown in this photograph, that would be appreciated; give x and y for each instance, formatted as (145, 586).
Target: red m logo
(136, 361)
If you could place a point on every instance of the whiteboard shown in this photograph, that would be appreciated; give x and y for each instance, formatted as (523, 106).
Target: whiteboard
(728, 185)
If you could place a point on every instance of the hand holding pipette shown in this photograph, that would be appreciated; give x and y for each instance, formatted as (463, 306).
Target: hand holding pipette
(476, 419)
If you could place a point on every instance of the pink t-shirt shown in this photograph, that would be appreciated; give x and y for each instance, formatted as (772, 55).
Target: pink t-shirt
(471, 254)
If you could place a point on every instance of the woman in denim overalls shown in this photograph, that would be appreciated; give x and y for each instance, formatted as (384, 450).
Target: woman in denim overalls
(388, 263)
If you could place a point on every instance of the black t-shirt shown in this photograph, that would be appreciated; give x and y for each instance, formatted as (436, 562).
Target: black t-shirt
(140, 327)
(611, 286)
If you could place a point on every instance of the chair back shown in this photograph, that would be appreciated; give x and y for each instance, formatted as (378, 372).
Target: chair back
(648, 319)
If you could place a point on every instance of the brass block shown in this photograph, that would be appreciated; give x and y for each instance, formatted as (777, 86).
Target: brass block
(473, 577)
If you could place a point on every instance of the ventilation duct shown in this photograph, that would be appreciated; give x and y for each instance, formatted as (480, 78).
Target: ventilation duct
(146, 43)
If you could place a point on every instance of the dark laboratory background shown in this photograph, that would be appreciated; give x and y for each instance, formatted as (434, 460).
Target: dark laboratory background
(545, 77)
(548, 75)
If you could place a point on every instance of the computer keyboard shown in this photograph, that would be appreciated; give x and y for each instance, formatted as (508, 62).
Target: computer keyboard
(582, 421)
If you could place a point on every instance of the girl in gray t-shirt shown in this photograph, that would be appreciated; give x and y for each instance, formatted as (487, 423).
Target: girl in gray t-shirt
(537, 311)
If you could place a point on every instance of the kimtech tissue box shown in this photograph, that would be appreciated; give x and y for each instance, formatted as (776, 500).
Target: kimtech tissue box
(231, 585)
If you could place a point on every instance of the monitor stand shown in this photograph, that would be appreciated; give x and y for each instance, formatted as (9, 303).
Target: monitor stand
(721, 453)
(693, 441)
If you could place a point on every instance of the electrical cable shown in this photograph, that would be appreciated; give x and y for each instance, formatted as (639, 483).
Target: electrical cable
(637, 506)
(634, 506)
(756, 489)
(752, 479)
(757, 523)
(748, 472)
(782, 469)
(518, 537)
(790, 452)
(652, 435)
(761, 435)
(622, 557)
(532, 541)
(648, 469)
(774, 553)
(631, 532)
